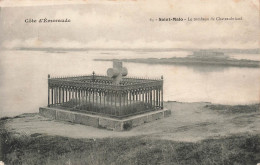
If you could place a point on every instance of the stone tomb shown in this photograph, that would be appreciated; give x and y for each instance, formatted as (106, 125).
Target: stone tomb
(114, 102)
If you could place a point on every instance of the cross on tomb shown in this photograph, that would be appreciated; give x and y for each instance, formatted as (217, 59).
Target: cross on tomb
(117, 72)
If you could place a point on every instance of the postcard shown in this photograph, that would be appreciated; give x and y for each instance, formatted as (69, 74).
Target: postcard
(129, 82)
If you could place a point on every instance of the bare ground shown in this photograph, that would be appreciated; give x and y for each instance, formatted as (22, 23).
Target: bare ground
(189, 122)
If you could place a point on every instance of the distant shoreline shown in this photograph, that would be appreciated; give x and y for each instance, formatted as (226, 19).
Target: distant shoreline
(235, 50)
(192, 61)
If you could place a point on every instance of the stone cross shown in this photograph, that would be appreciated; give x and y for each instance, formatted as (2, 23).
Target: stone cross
(117, 72)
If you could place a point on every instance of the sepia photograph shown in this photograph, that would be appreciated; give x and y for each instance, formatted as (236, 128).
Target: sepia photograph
(129, 82)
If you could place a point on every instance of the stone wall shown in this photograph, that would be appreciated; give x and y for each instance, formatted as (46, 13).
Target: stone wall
(103, 122)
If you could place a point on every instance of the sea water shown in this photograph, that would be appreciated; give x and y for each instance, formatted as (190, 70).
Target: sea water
(23, 77)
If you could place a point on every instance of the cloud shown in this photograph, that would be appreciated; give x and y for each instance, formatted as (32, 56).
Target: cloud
(94, 19)
(123, 24)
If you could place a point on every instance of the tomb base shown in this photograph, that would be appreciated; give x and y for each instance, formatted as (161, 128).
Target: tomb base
(101, 121)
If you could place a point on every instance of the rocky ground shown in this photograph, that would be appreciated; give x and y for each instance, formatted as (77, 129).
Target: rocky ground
(195, 133)
(189, 122)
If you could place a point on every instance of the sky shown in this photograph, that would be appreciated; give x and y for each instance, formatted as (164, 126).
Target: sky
(126, 24)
